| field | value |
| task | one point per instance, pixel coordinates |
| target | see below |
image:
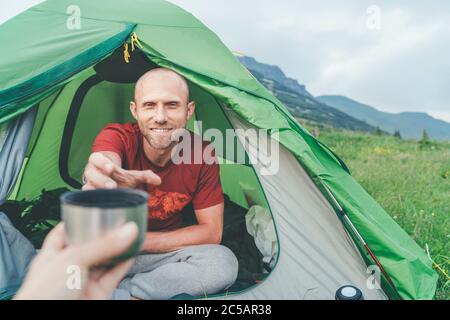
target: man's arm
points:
(207, 231)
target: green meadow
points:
(411, 181)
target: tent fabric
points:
(3, 134)
(260, 225)
(44, 155)
(314, 246)
(16, 253)
(173, 38)
(13, 152)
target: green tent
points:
(64, 61)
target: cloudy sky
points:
(391, 54)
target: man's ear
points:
(190, 109)
(133, 109)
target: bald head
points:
(161, 78)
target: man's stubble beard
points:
(160, 146)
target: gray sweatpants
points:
(197, 270)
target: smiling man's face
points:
(161, 106)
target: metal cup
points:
(90, 214)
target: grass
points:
(411, 181)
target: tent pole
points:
(358, 235)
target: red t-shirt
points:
(180, 183)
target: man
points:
(179, 260)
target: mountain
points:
(274, 73)
(298, 100)
(410, 124)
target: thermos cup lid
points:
(105, 198)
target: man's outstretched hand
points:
(104, 171)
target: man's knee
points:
(222, 264)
